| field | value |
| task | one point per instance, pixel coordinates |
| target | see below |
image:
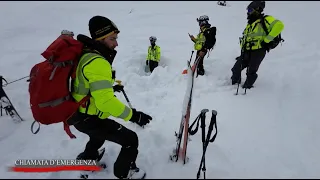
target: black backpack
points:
(275, 42)
(210, 35)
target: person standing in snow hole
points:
(260, 35)
(204, 42)
(95, 77)
(154, 54)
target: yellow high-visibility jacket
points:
(94, 76)
(254, 33)
(154, 54)
(200, 39)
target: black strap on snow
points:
(38, 129)
(205, 140)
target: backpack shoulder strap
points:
(263, 23)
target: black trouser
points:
(251, 60)
(152, 65)
(200, 65)
(100, 130)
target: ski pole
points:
(191, 55)
(124, 93)
(189, 62)
(213, 122)
(203, 126)
(14, 81)
(241, 62)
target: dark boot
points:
(92, 156)
(238, 66)
(236, 75)
(200, 71)
(251, 79)
(235, 80)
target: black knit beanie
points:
(101, 27)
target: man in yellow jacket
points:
(258, 38)
(204, 42)
(154, 54)
(95, 77)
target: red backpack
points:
(50, 97)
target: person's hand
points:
(192, 37)
(118, 88)
(140, 118)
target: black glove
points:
(118, 88)
(265, 46)
(140, 118)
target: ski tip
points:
(144, 176)
(214, 112)
(204, 110)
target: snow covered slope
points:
(272, 132)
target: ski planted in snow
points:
(182, 136)
(6, 105)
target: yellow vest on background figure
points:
(200, 39)
(154, 53)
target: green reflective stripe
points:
(256, 34)
(272, 24)
(82, 89)
(125, 113)
(104, 84)
(259, 32)
(270, 38)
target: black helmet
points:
(257, 6)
